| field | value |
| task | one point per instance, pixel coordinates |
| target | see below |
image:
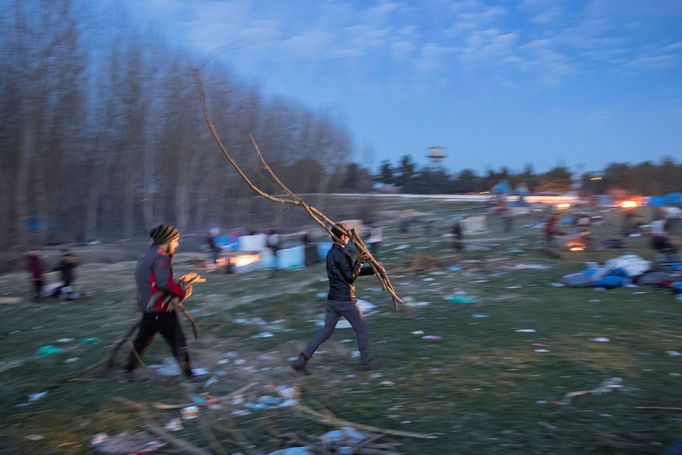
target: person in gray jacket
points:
(342, 271)
(154, 277)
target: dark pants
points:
(38, 288)
(168, 325)
(334, 312)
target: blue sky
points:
(498, 83)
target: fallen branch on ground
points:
(152, 426)
(334, 421)
(168, 407)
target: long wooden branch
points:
(293, 199)
(332, 420)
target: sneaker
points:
(300, 365)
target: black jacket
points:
(342, 271)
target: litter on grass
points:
(601, 340)
(462, 299)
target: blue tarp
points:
(502, 187)
(667, 200)
(323, 248)
(291, 258)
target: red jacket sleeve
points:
(163, 273)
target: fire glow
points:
(244, 259)
(629, 204)
(575, 246)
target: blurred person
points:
(550, 230)
(272, 241)
(34, 266)
(154, 279)
(376, 236)
(457, 234)
(66, 266)
(342, 271)
(213, 246)
(660, 240)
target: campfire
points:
(236, 262)
(574, 245)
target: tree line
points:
(646, 178)
(102, 136)
(102, 133)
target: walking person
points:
(376, 236)
(272, 241)
(34, 266)
(342, 271)
(67, 263)
(154, 278)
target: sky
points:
(496, 83)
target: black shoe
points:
(300, 365)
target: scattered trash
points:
(189, 412)
(270, 400)
(454, 268)
(264, 335)
(48, 350)
(124, 443)
(525, 330)
(36, 396)
(256, 406)
(463, 299)
(321, 295)
(174, 425)
(516, 286)
(9, 300)
(417, 332)
(64, 340)
(71, 359)
(606, 386)
(556, 285)
(387, 383)
(169, 368)
(673, 353)
(199, 371)
(530, 267)
(34, 437)
(432, 337)
(595, 300)
(479, 316)
(541, 350)
(600, 340)
(541, 402)
(91, 340)
(292, 451)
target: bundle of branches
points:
(293, 199)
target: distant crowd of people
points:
(66, 266)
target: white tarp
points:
(254, 242)
(474, 225)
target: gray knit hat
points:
(164, 233)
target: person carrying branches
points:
(342, 271)
(155, 284)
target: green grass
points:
(482, 388)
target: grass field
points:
(482, 388)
